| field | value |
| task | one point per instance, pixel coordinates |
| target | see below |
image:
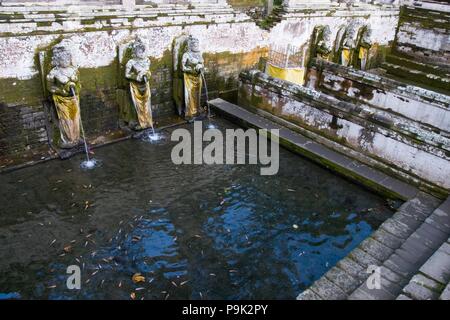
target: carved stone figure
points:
(323, 45)
(364, 44)
(192, 65)
(137, 72)
(64, 85)
(348, 45)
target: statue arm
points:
(184, 64)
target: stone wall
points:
(408, 149)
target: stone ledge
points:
(319, 153)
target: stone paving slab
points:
(376, 249)
(387, 238)
(352, 268)
(441, 219)
(315, 150)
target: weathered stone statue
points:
(64, 85)
(137, 71)
(348, 46)
(192, 67)
(323, 43)
(364, 44)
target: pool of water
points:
(193, 231)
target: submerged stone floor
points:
(411, 249)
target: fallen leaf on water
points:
(183, 283)
(133, 295)
(137, 277)
(67, 249)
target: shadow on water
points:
(193, 231)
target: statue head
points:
(139, 48)
(193, 44)
(62, 56)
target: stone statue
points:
(348, 45)
(64, 85)
(192, 65)
(364, 45)
(323, 44)
(137, 72)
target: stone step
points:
(430, 281)
(318, 152)
(445, 295)
(351, 273)
(415, 65)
